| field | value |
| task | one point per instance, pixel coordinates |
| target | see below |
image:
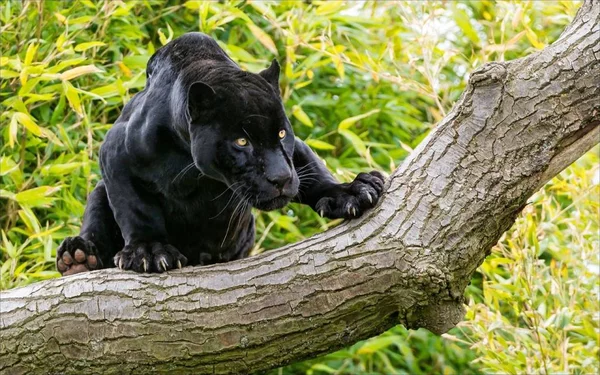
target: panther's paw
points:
(75, 255)
(149, 257)
(351, 200)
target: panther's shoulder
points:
(189, 49)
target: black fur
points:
(177, 189)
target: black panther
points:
(189, 156)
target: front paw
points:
(149, 257)
(75, 255)
(351, 200)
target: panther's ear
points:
(271, 74)
(200, 98)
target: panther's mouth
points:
(272, 204)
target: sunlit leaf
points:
(262, 37)
(299, 114)
(319, 145)
(87, 45)
(26, 120)
(79, 71)
(347, 123)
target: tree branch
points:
(407, 261)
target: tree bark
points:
(407, 261)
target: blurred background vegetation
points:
(363, 83)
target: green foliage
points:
(539, 309)
(362, 83)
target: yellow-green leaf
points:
(7, 165)
(299, 114)
(376, 344)
(319, 145)
(263, 38)
(60, 169)
(328, 7)
(26, 120)
(464, 22)
(29, 55)
(79, 71)
(357, 143)
(164, 39)
(345, 124)
(12, 131)
(72, 97)
(36, 197)
(300, 85)
(106, 91)
(87, 45)
(60, 17)
(533, 39)
(4, 74)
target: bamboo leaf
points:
(357, 143)
(319, 145)
(79, 71)
(347, 123)
(87, 45)
(72, 97)
(263, 38)
(299, 114)
(26, 120)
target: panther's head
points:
(239, 134)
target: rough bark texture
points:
(406, 262)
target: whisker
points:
(229, 201)
(308, 174)
(305, 166)
(231, 218)
(242, 212)
(183, 171)
(225, 191)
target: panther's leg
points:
(98, 241)
(136, 205)
(329, 198)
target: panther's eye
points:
(281, 134)
(241, 142)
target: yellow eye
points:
(281, 134)
(241, 142)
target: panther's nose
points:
(280, 179)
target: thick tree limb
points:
(406, 262)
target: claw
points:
(349, 210)
(322, 213)
(178, 264)
(163, 264)
(121, 263)
(370, 198)
(145, 265)
(354, 211)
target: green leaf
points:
(357, 143)
(263, 37)
(26, 120)
(29, 55)
(463, 21)
(299, 114)
(60, 169)
(37, 197)
(87, 45)
(319, 145)
(376, 344)
(72, 97)
(347, 123)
